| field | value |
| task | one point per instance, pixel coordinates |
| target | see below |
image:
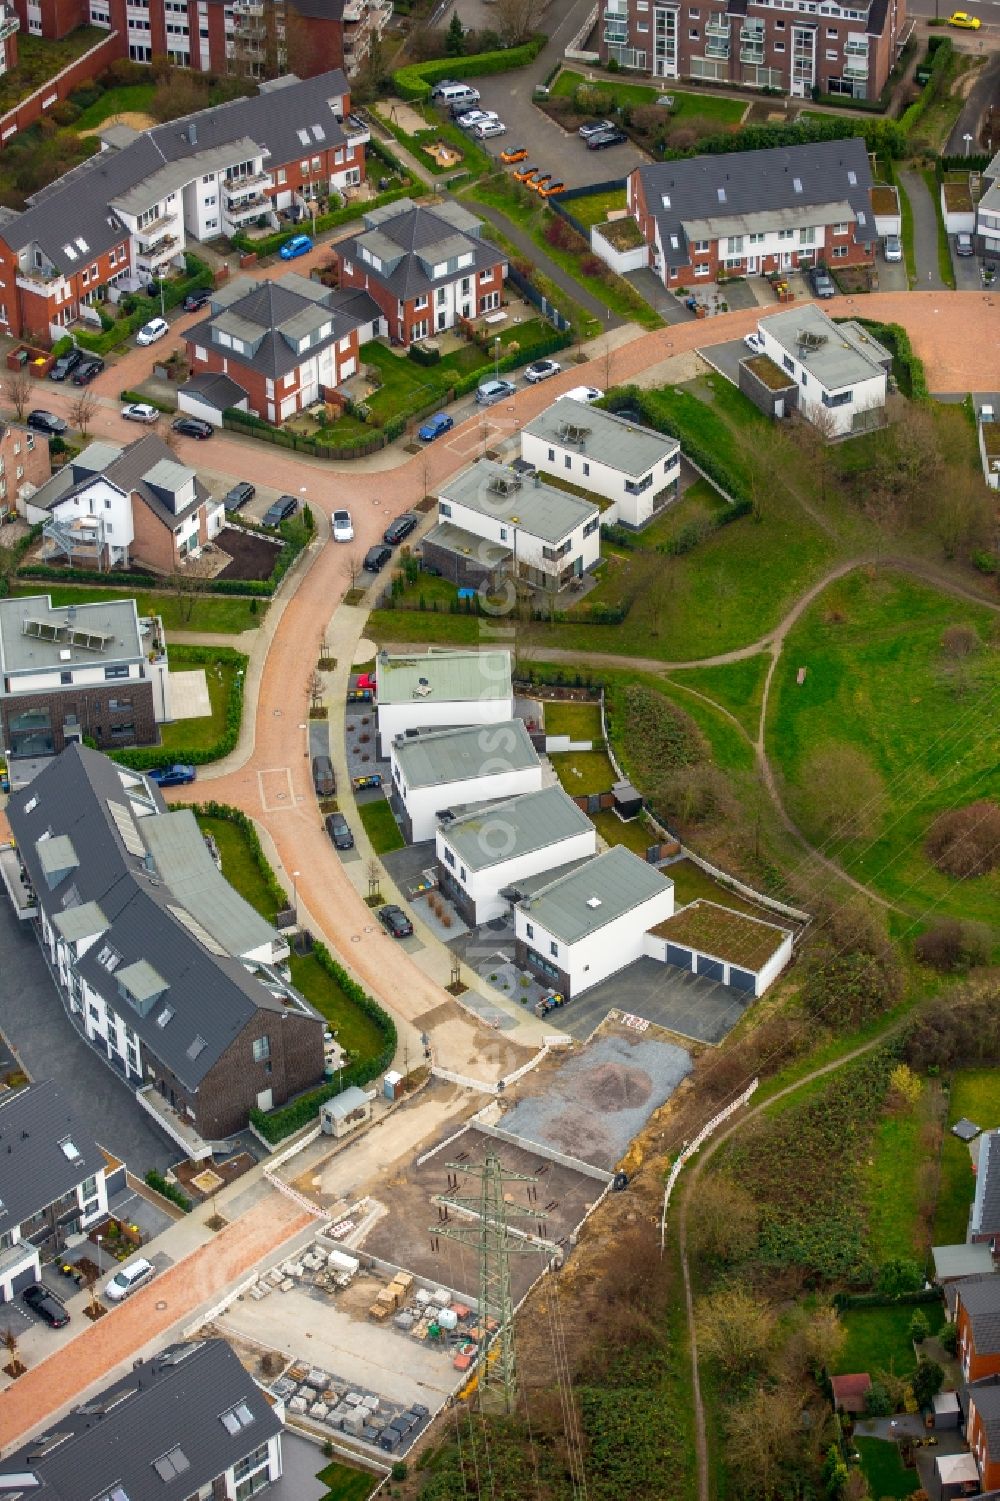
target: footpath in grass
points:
(737, 686)
(224, 614)
(975, 1094)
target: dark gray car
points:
(339, 831)
(323, 776)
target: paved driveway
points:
(690, 1005)
(925, 231)
(34, 1022)
(892, 274)
(968, 276)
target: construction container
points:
(341, 1262)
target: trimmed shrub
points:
(168, 1190)
(421, 356)
(145, 757)
(416, 81)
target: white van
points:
(458, 97)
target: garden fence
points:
(537, 299)
(558, 201)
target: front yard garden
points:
(201, 734)
(686, 106)
(380, 826)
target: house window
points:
(31, 442)
(804, 379)
(449, 857)
(567, 461)
(115, 672)
(702, 247)
(552, 454)
(444, 508)
(839, 229)
(591, 526)
(503, 534)
(703, 270)
(117, 705)
(838, 253)
(788, 363)
(419, 303)
(529, 930)
(554, 950)
(840, 399)
(65, 677)
(586, 468)
(261, 1049)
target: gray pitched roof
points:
(211, 997)
(131, 470)
(980, 1297)
(272, 316)
(745, 191)
(408, 238)
(83, 197)
(171, 1405)
(593, 433)
(577, 905)
(217, 391)
(501, 493)
(986, 1205)
(44, 1150)
(436, 758)
(986, 1396)
(503, 831)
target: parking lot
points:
(552, 148)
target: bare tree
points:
(356, 564)
(515, 20)
(165, 432)
(10, 1344)
(315, 690)
(374, 872)
(17, 390)
(189, 585)
(812, 439)
(735, 1330)
(763, 1431)
(82, 411)
(723, 1221)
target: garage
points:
(19, 1282)
(742, 979)
(680, 957)
(713, 969)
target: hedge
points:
(197, 275)
(416, 81)
(270, 244)
(940, 58)
(145, 757)
(842, 1301)
(168, 1190)
(884, 137)
(150, 401)
(280, 1123)
(906, 367)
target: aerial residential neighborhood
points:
(499, 752)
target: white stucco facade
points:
(482, 887)
(835, 408)
(572, 555)
(423, 804)
(622, 462)
(592, 959)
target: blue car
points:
(296, 246)
(172, 776)
(435, 426)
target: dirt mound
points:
(614, 1086)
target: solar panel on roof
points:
(125, 824)
(197, 1047)
(195, 928)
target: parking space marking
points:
(277, 795)
(464, 446)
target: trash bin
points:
(22, 357)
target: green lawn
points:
(893, 1182)
(878, 1339)
(686, 105)
(581, 721)
(737, 686)
(39, 59)
(583, 772)
(136, 97)
(380, 826)
(421, 625)
(238, 865)
(633, 835)
(700, 502)
(876, 680)
(886, 1474)
(223, 613)
(975, 1093)
(595, 207)
(199, 734)
(407, 386)
(345, 1483)
(692, 883)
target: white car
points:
(753, 342)
(343, 527)
(129, 1279)
(541, 370)
(476, 117)
(587, 394)
(153, 330)
(139, 411)
(892, 249)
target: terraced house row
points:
(129, 213)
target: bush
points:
(168, 1190)
(965, 842)
(416, 81)
(899, 1275)
(950, 945)
(906, 367)
(949, 1338)
(421, 356)
(634, 399)
(878, 1403)
(142, 759)
(928, 1380)
(854, 972)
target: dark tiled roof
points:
(35, 1170)
(217, 390)
(986, 1397)
(986, 1206)
(412, 230)
(272, 307)
(175, 1401)
(980, 1297)
(758, 183)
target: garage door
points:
(677, 955)
(742, 979)
(711, 967)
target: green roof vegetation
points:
(722, 934)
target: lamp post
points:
(99, 1267)
(295, 902)
(968, 139)
(496, 357)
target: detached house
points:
(984, 1221)
(166, 971)
(441, 690)
(187, 1423)
(443, 770)
(751, 212)
(977, 1320)
(51, 1182)
(281, 342)
(425, 267)
(112, 506)
(835, 374)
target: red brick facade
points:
(415, 318)
(24, 460)
(264, 393)
(977, 1439)
(975, 1365)
(27, 307)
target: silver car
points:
(892, 248)
(492, 391)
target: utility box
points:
(392, 1085)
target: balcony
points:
(161, 250)
(856, 67)
(235, 187)
(751, 52)
(718, 27)
(716, 47)
(251, 208)
(9, 23)
(149, 234)
(248, 8)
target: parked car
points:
(129, 1279)
(547, 190)
(343, 527)
(443, 84)
(435, 426)
(239, 495)
(512, 154)
(50, 1309)
(400, 528)
(821, 282)
(492, 391)
(279, 510)
(595, 128)
(155, 329)
(606, 138)
(368, 680)
(487, 129)
(139, 411)
(523, 173)
(475, 117)
(964, 245)
(538, 183)
(339, 831)
(754, 343)
(66, 364)
(892, 249)
(964, 21)
(324, 780)
(193, 427)
(87, 370)
(47, 422)
(194, 300)
(541, 370)
(395, 921)
(177, 775)
(376, 557)
(589, 394)
(296, 246)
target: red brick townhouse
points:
(982, 1431)
(751, 212)
(425, 267)
(281, 341)
(835, 46)
(261, 38)
(9, 24)
(128, 213)
(977, 1320)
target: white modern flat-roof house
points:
(483, 854)
(441, 690)
(445, 769)
(840, 370)
(634, 467)
(495, 519)
(592, 921)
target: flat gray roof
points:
(626, 446)
(498, 832)
(451, 677)
(63, 628)
(576, 905)
(439, 757)
(962, 1260)
(497, 491)
(840, 360)
(183, 862)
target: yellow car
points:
(964, 20)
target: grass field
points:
(407, 386)
(380, 826)
(878, 1339)
(222, 613)
(686, 106)
(877, 680)
(583, 772)
(886, 1474)
(581, 721)
(129, 97)
(345, 1483)
(595, 207)
(975, 1093)
(238, 865)
(737, 686)
(423, 625)
(692, 883)
(199, 734)
(893, 1180)
(700, 502)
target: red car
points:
(366, 680)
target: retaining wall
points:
(82, 70)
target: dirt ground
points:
(251, 557)
(136, 118)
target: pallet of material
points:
(404, 1281)
(379, 1311)
(462, 1362)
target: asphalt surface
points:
(690, 1005)
(35, 1025)
(985, 91)
(925, 232)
